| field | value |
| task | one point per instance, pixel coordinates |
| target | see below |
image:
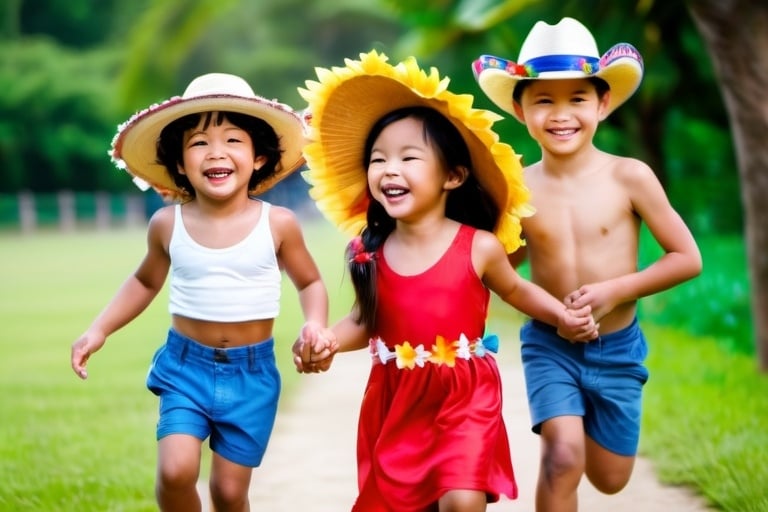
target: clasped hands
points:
(313, 351)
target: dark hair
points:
(601, 87)
(469, 203)
(170, 144)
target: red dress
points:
(433, 427)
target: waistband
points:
(625, 333)
(185, 347)
(442, 352)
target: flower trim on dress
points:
(443, 352)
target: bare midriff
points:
(224, 334)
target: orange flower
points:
(444, 352)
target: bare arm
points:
(300, 267)
(133, 297)
(500, 277)
(681, 260)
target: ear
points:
(456, 178)
(180, 168)
(259, 162)
(602, 108)
(518, 110)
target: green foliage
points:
(706, 419)
(715, 304)
(57, 118)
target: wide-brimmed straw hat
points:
(344, 104)
(565, 50)
(134, 147)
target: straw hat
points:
(134, 147)
(345, 102)
(565, 50)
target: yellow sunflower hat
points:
(344, 104)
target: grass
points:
(706, 419)
(71, 445)
(89, 446)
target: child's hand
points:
(600, 297)
(314, 350)
(82, 349)
(577, 325)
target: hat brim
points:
(345, 108)
(623, 76)
(135, 145)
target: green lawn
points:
(69, 445)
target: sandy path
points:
(310, 463)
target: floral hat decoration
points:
(344, 104)
(134, 147)
(565, 50)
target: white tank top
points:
(233, 284)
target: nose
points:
(392, 168)
(560, 112)
(215, 150)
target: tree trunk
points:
(736, 34)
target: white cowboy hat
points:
(134, 147)
(565, 50)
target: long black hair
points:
(170, 144)
(468, 204)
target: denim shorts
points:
(601, 381)
(228, 394)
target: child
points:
(216, 374)
(422, 174)
(583, 246)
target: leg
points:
(463, 500)
(607, 471)
(562, 464)
(178, 468)
(229, 485)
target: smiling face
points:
(562, 115)
(218, 157)
(406, 173)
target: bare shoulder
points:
(283, 221)
(161, 225)
(162, 220)
(631, 171)
(485, 245)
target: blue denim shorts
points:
(228, 394)
(601, 381)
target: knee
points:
(228, 495)
(562, 459)
(608, 483)
(172, 477)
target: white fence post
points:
(103, 211)
(134, 210)
(67, 215)
(27, 213)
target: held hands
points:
(600, 297)
(313, 351)
(577, 325)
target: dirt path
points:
(310, 463)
